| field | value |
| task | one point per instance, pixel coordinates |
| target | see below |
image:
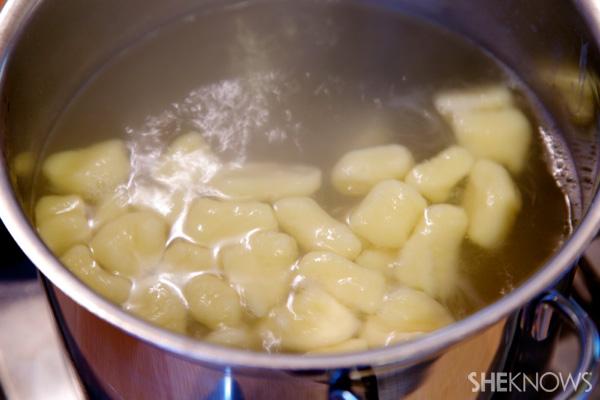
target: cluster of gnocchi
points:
(259, 264)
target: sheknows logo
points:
(549, 382)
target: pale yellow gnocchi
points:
(388, 214)
(241, 337)
(79, 260)
(435, 178)
(429, 259)
(359, 170)
(187, 159)
(493, 97)
(92, 172)
(375, 333)
(356, 287)
(503, 136)
(378, 260)
(486, 122)
(210, 222)
(159, 303)
(266, 181)
(408, 310)
(261, 269)
(212, 301)
(109, 208)
(314, 229)
(492, 201)
(62, 222)
(182, 255)
(131, 243)
(312, 319)
(266, 256)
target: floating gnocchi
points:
(312, 319)
(435, 178)
(267, 256)
(388, 214)
(266, 181)
(503, 136)
(492, 202)
(79, 260)
(182, 255)
(429, 259)
(377, 260)
(405, 314)
(314, 229)
(261, 269)
(131, 243)
(187, 159)
(109, 208)
(160, 304)
(240, 337)
(62, 222)
(92, 172)
(212, 301)
(356, 287)
(452, 102)
(486, 123)
(210, 222)
(359, 170)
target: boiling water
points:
(300, 83)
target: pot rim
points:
(11, 18)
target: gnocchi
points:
(377, 260)
(312, 319)
(435, 178)
(187, 159)
(131, 243)
(266, 181)
(388, 214)
(358, 171)
(486, 122)
(375, 333)
(356, 287)
(408, 310)
(241, 337)
(92, 172)
(212, 301)
(261, 269)
(492, 202)
(266, 256)
(210, 222)
(452, 102)
(110, 208)
(429, 260)
(314, 229)
(62, 222)
(502, 135)
(182, 255)
(80, 262)
(160, 304)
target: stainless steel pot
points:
(50, 47)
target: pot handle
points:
(589, 340)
